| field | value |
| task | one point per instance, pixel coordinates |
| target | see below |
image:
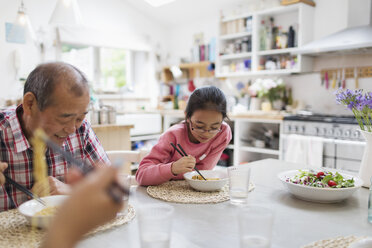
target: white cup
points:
(255, 226)
(239, 184)
(155, 223)
(124, 180)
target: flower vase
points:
(365, 171)
(266, 106)
(255, 104)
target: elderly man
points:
(56, 99)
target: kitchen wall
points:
(114, 15)
(330, 16)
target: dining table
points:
(296, 222)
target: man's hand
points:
(56, 187)
(88, 206)
(3, 167)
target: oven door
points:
(337, 154)
(343, 154)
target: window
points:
(106, 68)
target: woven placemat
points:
(15, 232)
(181, 192)
(337, 242)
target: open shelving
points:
(234, 60)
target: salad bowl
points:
(296, 182)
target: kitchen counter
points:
(113, 136)
(271, 115)
(296, 222)
(274, 115)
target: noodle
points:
(198, 177)
(40, 168)
(47, 211)
(40, 171)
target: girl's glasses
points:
(202, 130)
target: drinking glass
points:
(239, 184)
(155, 222)
(124, 180)
(255, 226)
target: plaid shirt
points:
(17, 152)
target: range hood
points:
(350, 39)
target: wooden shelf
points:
(234, 36)
(235, 56)
(189, 71)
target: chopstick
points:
(184, 154)
(85, 168)
(23, 189)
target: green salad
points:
(321, 179)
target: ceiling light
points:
(158, 3)
(66, 12)
(24, 21)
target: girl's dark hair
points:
(206, 98)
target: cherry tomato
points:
(320, 173)
(331, 183)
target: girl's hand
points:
(183, 165)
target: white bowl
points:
(31, 207)
(202, 185)
(322, 195)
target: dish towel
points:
(304, 150)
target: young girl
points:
(203, 135)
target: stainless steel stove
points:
(343, 145)
(327, 126)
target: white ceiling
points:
(183, 11)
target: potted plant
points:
(269, 90)
(361, 105)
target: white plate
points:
(202, 185)
(322, 195)
(31, 207)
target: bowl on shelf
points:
(213, 184)
(31, 210)
(315, 194)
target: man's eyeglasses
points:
(202, 130)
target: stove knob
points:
(347, 133)
(330, 132)
(320, 131)
(356, 134)
(303, 129)
(296, 129)
(337, 133)
(289, 128)
(316, 130)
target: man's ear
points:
(29, 103)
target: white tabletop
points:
(296, 222)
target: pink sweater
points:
(155, 168)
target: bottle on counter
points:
(290, 99)
(263, 36)
(248, 24)
(291, 37)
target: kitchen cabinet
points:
(257, 137)
(189, 71)
(113, 136)
(245, 48)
